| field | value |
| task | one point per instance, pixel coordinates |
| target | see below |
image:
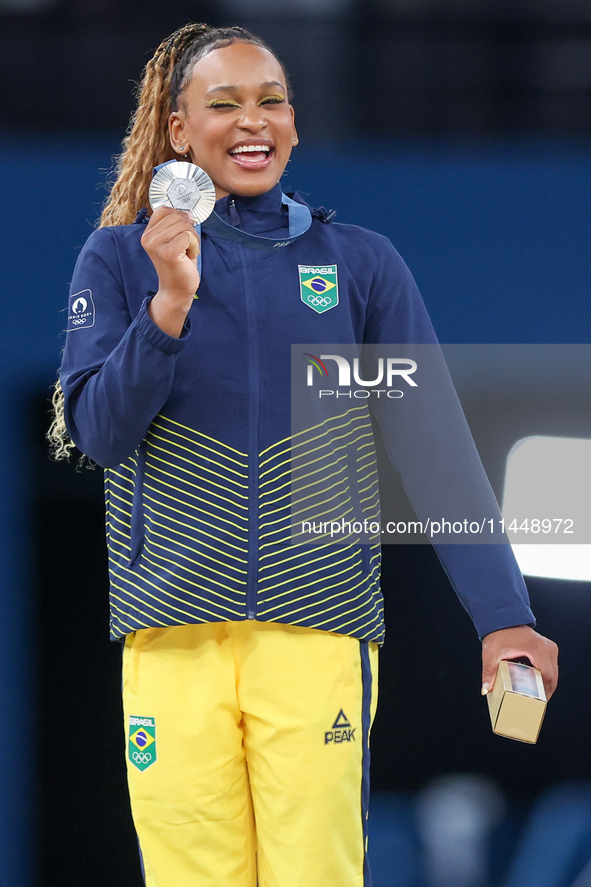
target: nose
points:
(253, 118)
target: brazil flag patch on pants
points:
(319, 287)
(142, 742)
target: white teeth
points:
(241, 149)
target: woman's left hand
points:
(511, 643)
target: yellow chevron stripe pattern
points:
(177, 530)
(325, 473)
(177, 515)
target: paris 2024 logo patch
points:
(81, 313)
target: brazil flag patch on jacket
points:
(319, 288)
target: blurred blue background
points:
(462, 130)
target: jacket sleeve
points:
(117, 372)
(428, 439)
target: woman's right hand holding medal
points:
(173, 246)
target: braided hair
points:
(147, 144)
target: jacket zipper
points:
(137, 528)
(234, 217)
(253, 436)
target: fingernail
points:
(485, 688)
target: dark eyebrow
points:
(221, 89)
(234, 88)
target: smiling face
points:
(235, 121)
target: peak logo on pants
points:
(341, 731)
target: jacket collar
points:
(263, 214)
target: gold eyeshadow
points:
(222, 103)
(272, 99)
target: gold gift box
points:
(517, 702)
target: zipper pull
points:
(235, 218)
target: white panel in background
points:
(555, 561)
(549, 478)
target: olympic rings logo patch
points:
(321, 301)
(142, 757)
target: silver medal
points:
(184, 186)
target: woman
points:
(249, 664)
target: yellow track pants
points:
(248, 754)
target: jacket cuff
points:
(150, 331)
(507, 617)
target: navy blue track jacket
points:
(194, 432)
